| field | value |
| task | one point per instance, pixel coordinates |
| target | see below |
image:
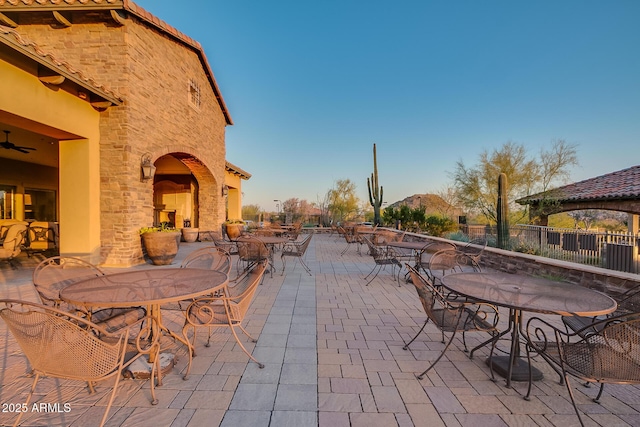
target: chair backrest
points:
(56, 273)
(241, 293)
(252, 249)
(351, 235)
(435, 246)
(208, 258)
(60, 344)
(450, 261)
(14, 238)
(296, 248)
(629, 302)
(383, 237)
(474, 248)
(429, 296)
(226, 245)
(374, 251)
(42, 235)
(618, 350)
(302, 246)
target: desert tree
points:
(342, 200)
(475, 186)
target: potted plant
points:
(189, 234)
(233, 228)
(160, 243)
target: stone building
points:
(127, 120)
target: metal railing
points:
(612, 250)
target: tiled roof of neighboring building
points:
(55, 2)
(12, 38)
(134, 9)
(620, 185)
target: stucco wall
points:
(151, 72)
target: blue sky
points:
(311, 85)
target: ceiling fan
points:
(11, 146)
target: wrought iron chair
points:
(339, 231)
(451, 316)
(61, 345)
(422, 260)
(296, 249)
(56, 273)
(294, 232)
(251, 251)
(611, 355)
(475, 248)
(266, 232)
(12, 244)
(628, 302)
(41, 237)
(227, 245)
(208, 258)
(226, 310)
(351, 237)
(382, 256)
(383, 237)
(449, 261)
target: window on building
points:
(194, 93)
(7, 201)
(40, 205)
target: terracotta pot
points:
(234, 230)
(161, 247)
(189, 234)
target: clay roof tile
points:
(11, 37)
(622, 184)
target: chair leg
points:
(597, 398)
(113, 395)
(155, 372)
(244, 331)
(573, 401)
(191, 350)
(306, 267)
(233, 330)
(421, 376)
(377, 269)
(371, 272)
(406, 345)
(345, 249)
(26, 404)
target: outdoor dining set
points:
(90, 325)
(598, 342)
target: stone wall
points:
(151, 72)
(601, 279)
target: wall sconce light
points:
(147, 168)
(225, 190)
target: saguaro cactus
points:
(375, 192)
(502, 211)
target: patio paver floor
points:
(332, 349)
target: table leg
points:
(151, 334)
(175, 336)
(513, 367)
